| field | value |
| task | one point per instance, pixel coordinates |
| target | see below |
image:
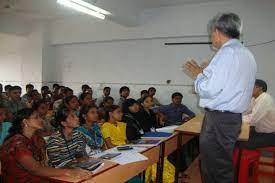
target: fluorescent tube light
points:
(81, 8)
(91, 6)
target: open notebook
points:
(90, 164)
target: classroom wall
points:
(105, 53)
(144, 64)
(11, 58)
(21, 58)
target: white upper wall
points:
(21, 58)
(166, 22)
(11, 58)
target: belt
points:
(221, 111)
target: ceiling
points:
(124, 12)
(161, 3)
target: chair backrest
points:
(266, 149)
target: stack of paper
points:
(167, 129)
(128, 156)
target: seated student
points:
(46, 93)
(4, 125)
(90, 128)
(152, 92)
(176, 112)
(143, 94)
(1, 89)
(72, 104)
(84, 88)
(34, 96)
(131, 117)
(106, 93)
(15, 104)
(2, 94)
(107, 102)
(66, 145)
(261, 118)
(41, 107)
(21, 160)
(114, 131)
(63, 92)
(124, 94)
(136, 120)
(55, 94)
(57, 99)
(26, 97)
(148, 120)
(86, 99)
(6, 93)
(87, 89)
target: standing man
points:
(225, 89)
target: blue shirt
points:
(174, 113)
(5, 126)
(93, 136)
(227, 83)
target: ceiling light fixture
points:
(85, 7)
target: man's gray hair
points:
(229, 24)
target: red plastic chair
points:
(257, 172)
(247, 159)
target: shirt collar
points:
(230, 41)
(175, 105)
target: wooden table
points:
(122, 173)
(115, 173)
(193, 127)
(168, 146)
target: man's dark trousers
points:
(220, 131)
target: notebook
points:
(143, 142)
(90, 165)
(157, 135)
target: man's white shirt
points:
(261, 114)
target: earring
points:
(25, 123)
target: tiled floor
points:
(193, 173)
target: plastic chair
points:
(257, 171)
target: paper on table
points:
(128, 156)
(114, 150)
(167, 129)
